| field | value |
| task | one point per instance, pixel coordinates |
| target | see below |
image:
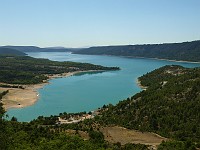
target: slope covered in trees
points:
(27, 136)
(170, 105)
(187, 51)
(28, 70)
(9, 51)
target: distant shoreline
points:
(195, 62)
(20, 98)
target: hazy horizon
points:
(79, 24)
(55, 47)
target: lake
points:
(89, 91)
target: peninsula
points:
(22, 76)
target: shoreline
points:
(181, 61)
(20, 98)
(138, 82)
(154, 58)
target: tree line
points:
(28, 70)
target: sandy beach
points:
(140, 85)
(19, 98)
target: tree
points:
(14, 119)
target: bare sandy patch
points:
(119, 134)
(19, 98)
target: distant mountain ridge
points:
(9, 51)
(38, 49)
(186, 51)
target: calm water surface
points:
(89, 91)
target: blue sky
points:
(80, 23)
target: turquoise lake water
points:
(89, 91)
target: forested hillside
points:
(187, 51)
(170, 105)
(26, 136)
(28, 70)
(9, 51)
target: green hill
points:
(186, 51)
(9, 51)
(28, 70)
(170, 105)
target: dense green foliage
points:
(2, 111)
(21, 136)
(189, 51)
(177, 145)
(28, 70)
(11, 86)
(9, 51)
(170, 106)
(3, 93)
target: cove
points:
(89, 91)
